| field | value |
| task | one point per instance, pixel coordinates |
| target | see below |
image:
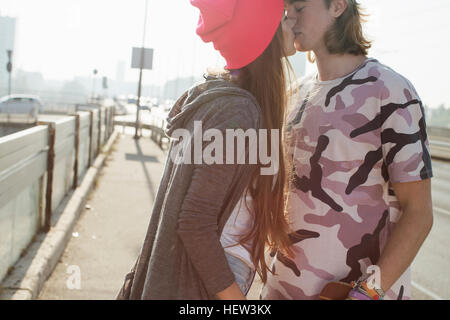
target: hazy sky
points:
(67, 38)
(63, 38)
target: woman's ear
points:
(338, 7)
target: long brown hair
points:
(346, 35)
(266, 78)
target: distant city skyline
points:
(68, 39)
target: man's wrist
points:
(362, 291)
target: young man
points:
(360, 199)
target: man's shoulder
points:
(391, 79)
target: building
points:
(7, 40)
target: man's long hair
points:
(346, 35)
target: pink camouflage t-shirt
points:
(350, 138)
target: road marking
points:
(432, 295)
(442, 211)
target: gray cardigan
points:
(182, 257)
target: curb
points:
(33, 269)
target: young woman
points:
(211, 222)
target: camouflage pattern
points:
(349, 138)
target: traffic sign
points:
(142, 58)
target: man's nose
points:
(291, 14)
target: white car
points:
(20, 105)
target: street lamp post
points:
(138, 103)
(95, 72)
(9, 69)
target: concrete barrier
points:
(39, 169)
(23, 165)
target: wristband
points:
(372, 292)
(355, 294)
(362, 287)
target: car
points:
(21, 105)
(132, 99)
(145, 107)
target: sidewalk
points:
(108, 236)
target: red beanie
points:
(239, 29)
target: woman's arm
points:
(198, 227)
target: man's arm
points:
(409, 232)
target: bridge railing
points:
(155, 121)
(39, 168)
(439, 142)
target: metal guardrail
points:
(440, 149)
(439, 133)
(439, 142)
(156, 123)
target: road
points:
(431, 268)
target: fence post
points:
(106, 122)
(50, 167)
(77, 144)
(113, 119)
(99, 136)
(91, 130)
(109, 122)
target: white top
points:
(238, 224)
